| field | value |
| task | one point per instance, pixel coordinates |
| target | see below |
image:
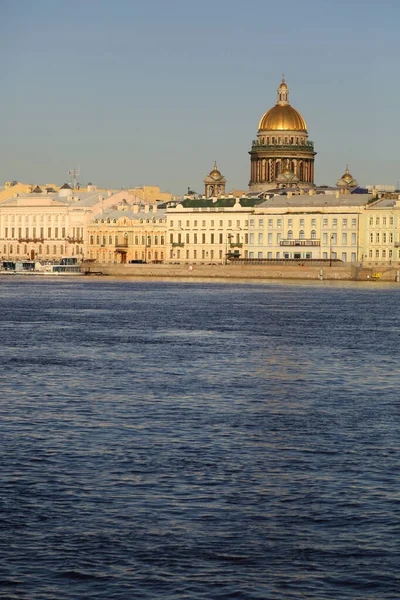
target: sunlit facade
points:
(128, 233)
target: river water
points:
(199, 440)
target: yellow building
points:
(381, 233)
(308, 226)
(206, 230)
(46, 225)
(299, 227)
(150, 194)
(127, 233)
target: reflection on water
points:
(199, 440)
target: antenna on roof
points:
(74, 173)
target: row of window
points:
(384, 254)
(151, 220)
(273, 223)
(204, 238)
(34, 219)
(111, 256)
(282, 140)
(47, 250)
(326, 238)
(210, 224)
(35, 232)
(385, 238)
(137, 240)
(377, 221)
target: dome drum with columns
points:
(282, 155)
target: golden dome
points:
(347, 176)
(215, 173)
(283, 118)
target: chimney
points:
(154, 208)
(136, 208)
(146, 208)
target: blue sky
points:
(153, 92)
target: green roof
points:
(220, 203)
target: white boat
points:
(67, 266)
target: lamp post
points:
(148, 245)
(228, 239)
(330, 249)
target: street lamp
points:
(330, 249)
(148, 245)
(228, 239)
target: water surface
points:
(194, 440)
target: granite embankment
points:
(307, 272)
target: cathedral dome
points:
(282, 116)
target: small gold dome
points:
(347, 176)
(215, 173)
(282, 118)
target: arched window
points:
(54, 249)
(301, 234)
(25, 249)
(62, 249)
(162, 240)
(98, 240)
(162, 256)
(47, 249)
(91, 239)
(76, 250)
(17, 249)
(40, 249)
(110, 239)
(136, 255)
(136, 241)
(116, 240)
(290, 234)
(104, 240)
(277, 169)
(156, 240)
(11, 249)
(313, 235)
